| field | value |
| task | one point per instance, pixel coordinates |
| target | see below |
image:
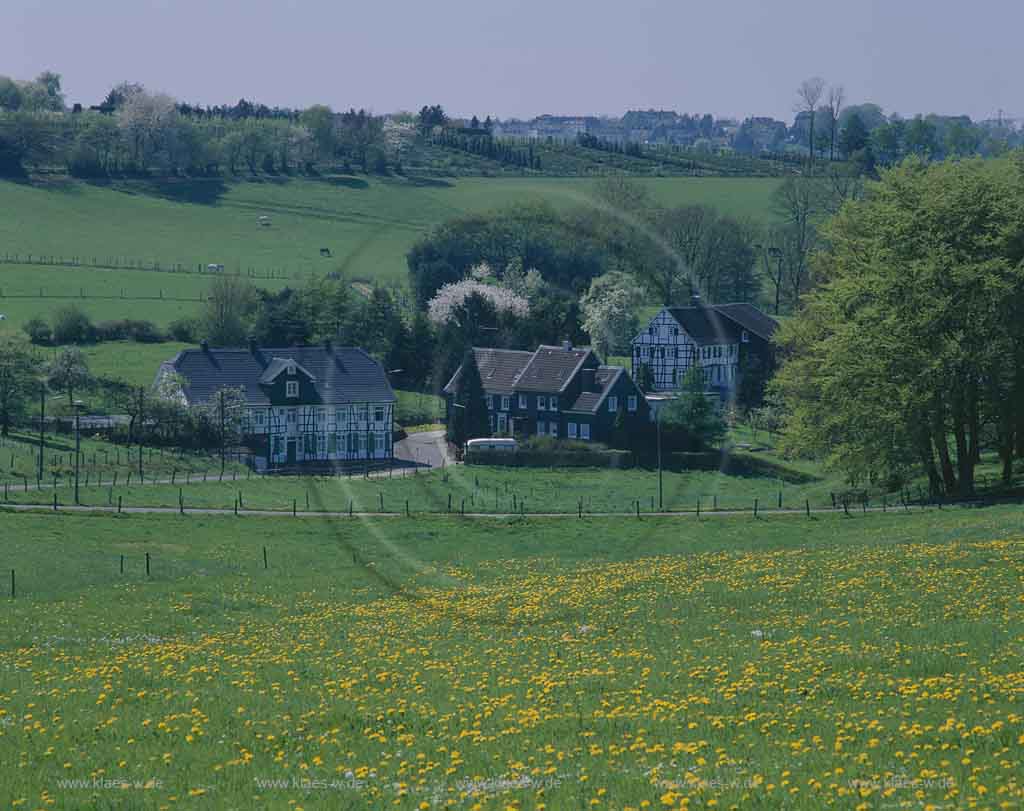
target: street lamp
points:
(78, 406)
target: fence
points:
(151, 265)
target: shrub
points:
(38, 331)
(127, 329)
(185, 330)
(71, 325)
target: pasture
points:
(864, 662)
(367, 224)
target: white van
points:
(495, 443)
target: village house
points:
(304, 406)
(558, 391)
(727, 341)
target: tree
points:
(645, 377)
(469, 417)
(68, 372)
(854, 136)
(836, 94)
(319, 120)
(610, 312)
(17, 380)
(921, 138)
(10, 95)
(808, 95)
(71, 325)
(229, 309)
(798, 204)
(691, 419)
(911, 351)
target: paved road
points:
(427, 448)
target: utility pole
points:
(141, 394)
(42, 427)
(222, 462)
(78, 445)
(661, 489)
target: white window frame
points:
(631, 403)
(745, 337)
(553, 429)
(613, 403)
(541, 403)
(571, 430)
(541, 427)
(292, 416)
(522, 402)
(553, 403)
(584, 430)
(506, 402)
(378, 410)
(291, 388)
(502, 423)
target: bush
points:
(545, 451)
(38, 331)
(185, 330)
(71, 325)
(127, 329)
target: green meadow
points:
(160, 662)
(368, 225)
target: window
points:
(278, 446)
(745, 337)
(364, 412)
(631, 402)
(572, 430)
(554, 428)
(506, 402)
(541, 428)
(522, 402)
(490, 401)
(502, 424)
(372, 439)
(675, 330)
(650, 330)
(584, 430)
(613, 403)
(378, 414)
(291, 416)
(643, 352)
(553, 403)
(340, 416)
(541, 402)
(309, 444)
(352, 443)
(321, 445)
(332, 443)
(291, 388)
(261, 417)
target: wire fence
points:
(151, 266)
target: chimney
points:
(204, 345)
(567, 346)
(253, 346)
(587, 378)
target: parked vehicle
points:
(494, 443)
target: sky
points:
(520, 58)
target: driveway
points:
(423, 449)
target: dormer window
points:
(291, 367)
(291, 388)
(745, 337)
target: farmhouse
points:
(306, 405)
(728, 341)
(559, 391)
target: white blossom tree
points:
(442, 307)
(610, 312)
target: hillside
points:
(367, 224)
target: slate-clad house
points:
(726, 340)
(559, 391)
(305, 405)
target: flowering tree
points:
(441, 309)
(609, 312)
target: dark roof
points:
(750, 318)
(551, 368)
(279, 365)
(605, 377)
(723, 323)
(705, 325)
(341, 374)
(499, 369)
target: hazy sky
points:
(527, 57)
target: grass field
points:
(869, 662)
(368, 224)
